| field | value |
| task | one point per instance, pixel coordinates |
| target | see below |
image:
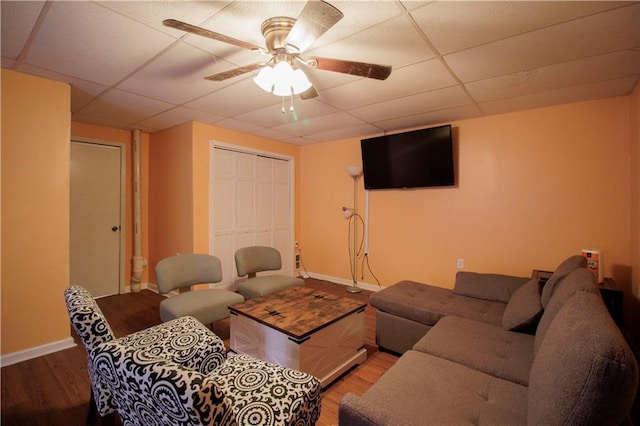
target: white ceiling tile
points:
(160, 71)
(176, 116)
(609, 31)
(271, 117)
(273, 134)
(238, 98)
(344, 132)
(82, 91)
(392, 42)
(319, 124)
(242, 126)
(180, 71)
(415, 104)
(420, 77)
(152, 13)
(453, 25)
(85, 40)
(603, 89)
(427, 119)
(603, 67)
(120, 106)
(357, 18)
(18, 17)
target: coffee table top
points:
(298, 311)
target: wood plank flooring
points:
(54, 389)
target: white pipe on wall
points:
(139, 262)
(366, 222)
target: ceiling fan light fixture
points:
(282, 79)
(265, 78)
(299, 82)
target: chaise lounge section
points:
(576, 369)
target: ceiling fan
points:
(285, 40)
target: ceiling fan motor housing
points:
(275, 31)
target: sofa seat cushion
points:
(427, 304)
(483, 347)
(424, 389)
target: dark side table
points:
(611, 294)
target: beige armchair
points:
(255, 259)
(181, 272)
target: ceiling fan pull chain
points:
(282, 105)
(291, 107)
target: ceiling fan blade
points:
(183, 26)
(362, 69)
(235, 72)
(310, 93)
(314, 20)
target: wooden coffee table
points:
(301, 328)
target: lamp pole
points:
(355, 172)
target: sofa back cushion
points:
(495, 287)
(580, 280)
(565, 268)
(584, 372)
(523, 309)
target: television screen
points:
(420, 158)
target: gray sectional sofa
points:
(478, 363)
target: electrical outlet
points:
(460, 263)
(297, 261)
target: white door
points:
(251, 205)
(95, 217)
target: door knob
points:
(114, 228)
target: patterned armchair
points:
(149, 390)
(177, 373)
(183, 340)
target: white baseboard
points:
(35, 352)
(342, 281)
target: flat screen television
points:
(416, 159)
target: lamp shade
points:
(354, 171)
(282, 79)
(264, 79)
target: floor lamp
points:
(354, 172)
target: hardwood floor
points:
(54, 389)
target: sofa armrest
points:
(356, 411)
(495, 287)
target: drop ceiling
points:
(451, 61)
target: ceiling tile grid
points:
(451, 60)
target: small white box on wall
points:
(594, 263)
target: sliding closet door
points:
(251, 197)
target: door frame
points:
(243, 149)
(123, 199)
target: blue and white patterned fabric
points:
(183, 340)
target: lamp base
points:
(353, 289)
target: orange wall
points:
(106, 134)
(634, 158)
(170, 194)
(179, 185)
(35, 210)
(533, 188)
